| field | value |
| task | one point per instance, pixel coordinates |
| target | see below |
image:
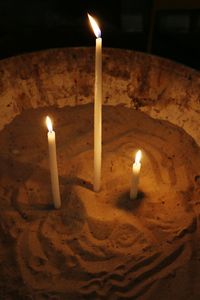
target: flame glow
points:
(49, 124)
(138, 156)
(94, 26)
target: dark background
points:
(168, 28)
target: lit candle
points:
(97, 106)
(135, 175)
(53, 163)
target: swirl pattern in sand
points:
(98, 245)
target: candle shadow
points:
(124, 202)
(76, 181)
(19, 173)
(197, 181)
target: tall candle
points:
(97, 106)
(53, 164)
(135, 175)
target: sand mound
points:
(98, 245)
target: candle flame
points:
(49, 124)
(138, 156)
(94, 26)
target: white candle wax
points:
(53, 164)
(98, 116)
(97, 106)
(135, 175)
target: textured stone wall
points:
(159, 87)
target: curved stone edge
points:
(162, 88)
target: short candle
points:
(53, 164)
(135, 175)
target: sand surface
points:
(99, 245)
